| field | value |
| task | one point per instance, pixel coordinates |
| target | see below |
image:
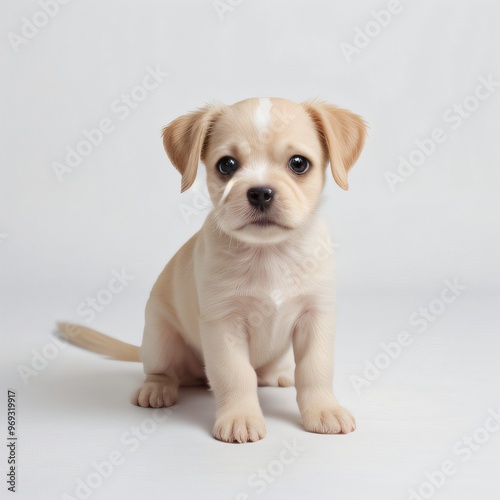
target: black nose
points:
(260, 197)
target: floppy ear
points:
(184, 140)
(344, 135)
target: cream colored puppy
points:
(235, 305)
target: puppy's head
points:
(265, 160)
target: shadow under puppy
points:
(234, 306)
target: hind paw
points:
(157, 391)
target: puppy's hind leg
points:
(163, 353)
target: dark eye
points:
(227, 165)
(299, 164)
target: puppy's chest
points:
(262, 287)
(274, 275)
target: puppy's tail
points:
(98, 342)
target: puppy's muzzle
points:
(260, 197)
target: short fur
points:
(235, 306)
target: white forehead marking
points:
(262, 115)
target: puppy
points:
(249, 299)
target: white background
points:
(121, 209)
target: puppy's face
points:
(265, 161)
(265, 169)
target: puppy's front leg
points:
(313, 340)
(234, 382)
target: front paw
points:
(238, 428)
(328, 420)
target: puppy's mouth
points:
(264, 222)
